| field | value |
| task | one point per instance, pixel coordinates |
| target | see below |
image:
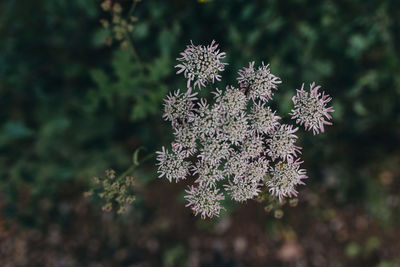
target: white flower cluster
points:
(236, 144)
(258, 82)
(201, 64)
(310, 109)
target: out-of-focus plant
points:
(127, 87)
(131, 83)
(117, 191)
(52, 139)
(237, 141)
(114, 189)
(273, 205)
(120, 24)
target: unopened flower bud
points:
(269, 208)
(293, 202)
(116, 19)
(119, 36)
(278, 214)
(117, 8)
(107, 207)
(108, 41)
(105, 23)
(130, 27)
(106, 5)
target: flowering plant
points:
(236, 144)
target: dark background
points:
(72, 107)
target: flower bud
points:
(105, 23)
(117, 8)
(278, 214)
(106, 5)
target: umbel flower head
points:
(116, 191)
(172, 164)
(264, 119)
(178, 106)
(282, 143)
(285, 177)
(204, 200)
(201, 64)
(242, 189)
(310, 109)
(234, 145)
(258, 83)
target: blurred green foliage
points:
(72, 107)
(117, 91)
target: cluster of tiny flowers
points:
(201, 64)
(281, 143)
(204, 200)
(310, 109)
(172, 164)
(119, 26)
(235, 145)
(258, 82)
(115, 191)
(285, 177)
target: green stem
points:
(133, 166)
(135, 54)
(128, 171)
(133, 7)
(147, 157)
